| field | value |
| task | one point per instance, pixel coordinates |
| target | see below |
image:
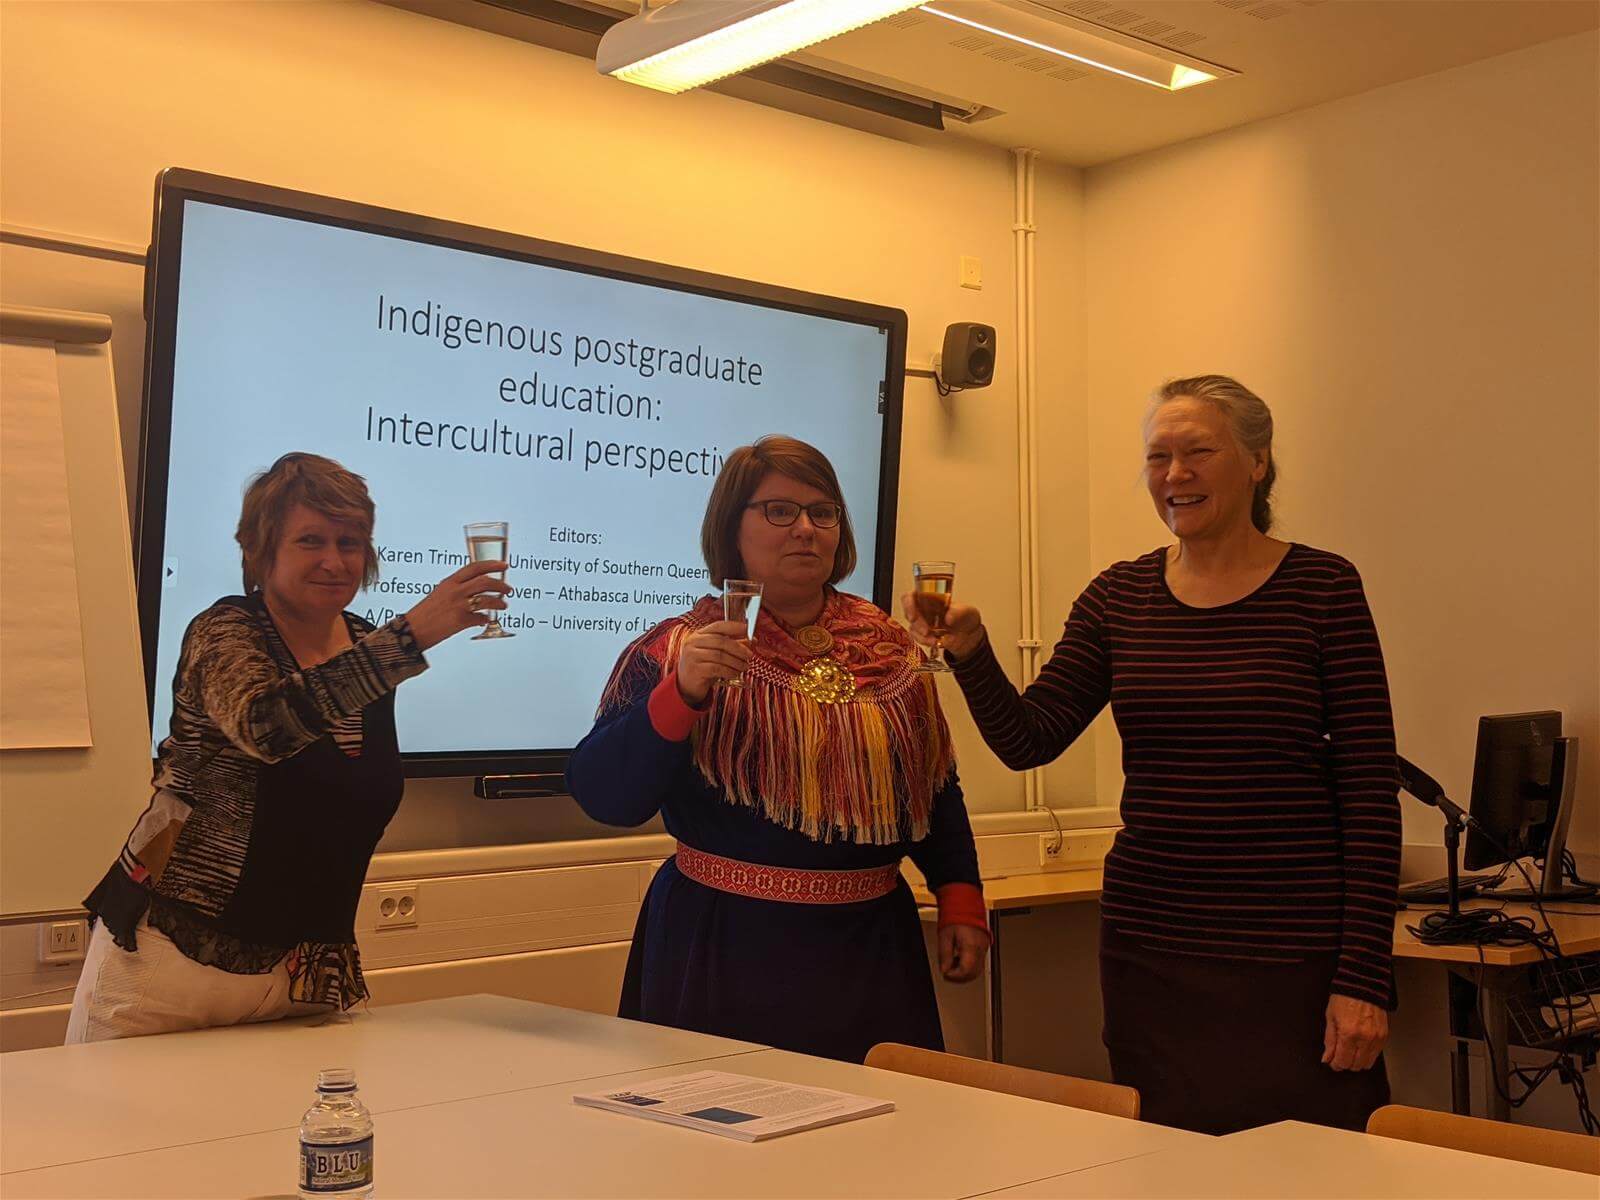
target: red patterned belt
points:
(786, 883)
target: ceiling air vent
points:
(1104, 12)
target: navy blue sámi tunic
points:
(849, 775)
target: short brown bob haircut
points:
(318, 483)
(741, 474)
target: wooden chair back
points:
(1109, 1098)
(1498, 1139)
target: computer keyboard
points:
(1439, 889)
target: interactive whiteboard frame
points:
(176, 186)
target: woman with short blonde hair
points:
(234, 896)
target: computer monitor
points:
(1523, 780)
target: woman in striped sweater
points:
(1250, 895)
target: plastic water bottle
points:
(336, 1140)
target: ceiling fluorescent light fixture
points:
(1050, 32)
(688, 43)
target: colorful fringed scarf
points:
(841, 741)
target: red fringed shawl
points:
(845, 744)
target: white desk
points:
(532, 1140)
(74, 1102)
(1292, 1161)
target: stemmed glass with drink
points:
(934, 590)
(488, 541)
(741, 601)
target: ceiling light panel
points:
(1048, 31)
(689, 43)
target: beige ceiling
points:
(1290, 54)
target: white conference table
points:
(1294, 1161)
(473, 1097)
(72, 1102)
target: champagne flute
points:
(487, 541)
(935, 585)
(741, 601)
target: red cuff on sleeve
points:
(670, 714)
(962, 904)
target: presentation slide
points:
(590, 413)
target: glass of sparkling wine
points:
(487, 541)
(741, 601)
(935, 585)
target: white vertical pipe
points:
(1020, 242)
(1033, 651)
(1032, 426)
(1019, 233)
(1035, 569)
(1027, 440)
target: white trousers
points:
(159, 989)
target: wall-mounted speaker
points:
(967, 360)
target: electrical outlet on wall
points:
(397, 908)
(1073, 851)
(971, 273)
(63, 941)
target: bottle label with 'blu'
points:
(341, 1167)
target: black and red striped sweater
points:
(1260, 811)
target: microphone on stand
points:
(1428, 789)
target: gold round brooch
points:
(826, 682)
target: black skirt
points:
(831, 980)
(1219, 1045)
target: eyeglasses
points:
(783, 513)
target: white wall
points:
(1409, 277)
(370, 103)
